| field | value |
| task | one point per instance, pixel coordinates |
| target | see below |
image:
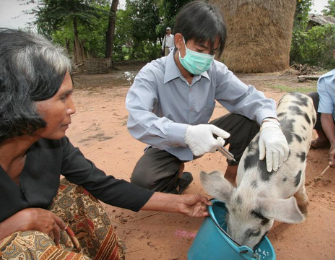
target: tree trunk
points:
(110, 30)
(78, 57)
(67, 43)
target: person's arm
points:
(116, 192)
(239, 98)
(325, 88)
(33, 219)
(193, 205)
(143, 105)
(328, 127)
(245, 100)
(120, 193)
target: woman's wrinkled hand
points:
(41, 220)
(194, 205)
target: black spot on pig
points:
(252, 158)
(295, 110)
(299, 139)
(287, 128)
(302, 100)
(265, 175)
(297, 178)
(302, 156)
(252, 161)
(252, 232)
(281, 115)
(239, 200)
(284, 179)
(307, 118)
(254, 184)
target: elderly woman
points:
(49, 190)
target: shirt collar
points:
(333, 72)
(172, 71)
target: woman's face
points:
(57, 111)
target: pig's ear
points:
(284, 210)
(216, 185)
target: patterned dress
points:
(89, 233)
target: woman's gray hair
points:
(31, 69)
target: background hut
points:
(319, 20)
(259, 34)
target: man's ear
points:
(178, 40)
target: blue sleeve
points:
(326, 104)
(239, 98)
(142, 103)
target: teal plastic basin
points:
(213, 243)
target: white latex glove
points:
(200, 140)
(273, 144)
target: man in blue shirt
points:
(173, 98)
(324, 102)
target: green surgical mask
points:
(196, 62)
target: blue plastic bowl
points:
(213, 243)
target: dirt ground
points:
(99, 129)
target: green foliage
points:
(60, 19)
(314, 47)
(141, 19)
(330, 8)
(91, 36)
(168, 10)
(302, 9)
(122, 36)
(53, 15)
(139, 29)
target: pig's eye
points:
(253, 232)
(256, 233)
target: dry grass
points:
(259, 34)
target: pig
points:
(261, 196)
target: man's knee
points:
(315, 98)
(155, 170)
(140, 179)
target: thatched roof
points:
(259, 34)
(318, 19)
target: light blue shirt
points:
(326, 90)
(161, 103)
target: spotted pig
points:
(261, 196)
